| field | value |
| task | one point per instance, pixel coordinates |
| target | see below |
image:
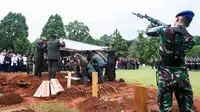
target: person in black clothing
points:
(7, 63)
(39, 57)
(111, 63)
(53, 55)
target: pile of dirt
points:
(70, 94)
(24, 110)
(1, 90)
(95, 105)
(9, 99)
(2, 79)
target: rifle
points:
(151, 19)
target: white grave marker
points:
(70, 78)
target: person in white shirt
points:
(2, 55)
(24, 63)
(14, 63)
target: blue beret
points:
(187, 13)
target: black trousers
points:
(39, 67)
(52, 68)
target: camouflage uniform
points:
(172, 74)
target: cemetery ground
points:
(113, 96)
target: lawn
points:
(147, 76)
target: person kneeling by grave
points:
(100, 65)
(90, 69)
(82, 63)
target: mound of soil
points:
(1, 90)
(24, 110)
(70, 94)
(95, 105)
(9, 99)
(2, 79)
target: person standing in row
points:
(53, 55)
(39, 57)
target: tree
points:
(92, 41)
(142, 46)
(152, 50)
(54, 25)
(14, 33)
(194, 52)
(120, 44)
(106, 39)
(77, 31)
(33, 47)
(133, 50)
(197, 39)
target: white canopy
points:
(79, 46)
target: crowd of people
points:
(11, 62)
(128, 63)
(193, 64)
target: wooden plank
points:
(94, 84)
(140, 99)
(38, 93)
(57, 85)
(45, 89)
(53, 89)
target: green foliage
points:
(197, 39)
(106, 39)
(120, 44)
(194, 52)
(77, 31)
(152, 50)
(142, 46)
(144, 49)
(133, 50)
(33, 47)
(19, 47)
(14, 33)
(92, 41)
(54, 26)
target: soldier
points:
(173, 75)
(82, 64)
(39, 57)
(53, 55)
(99, 67)
(111, 63)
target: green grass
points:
(50, 107)
(147, 76)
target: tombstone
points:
(69, 77)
